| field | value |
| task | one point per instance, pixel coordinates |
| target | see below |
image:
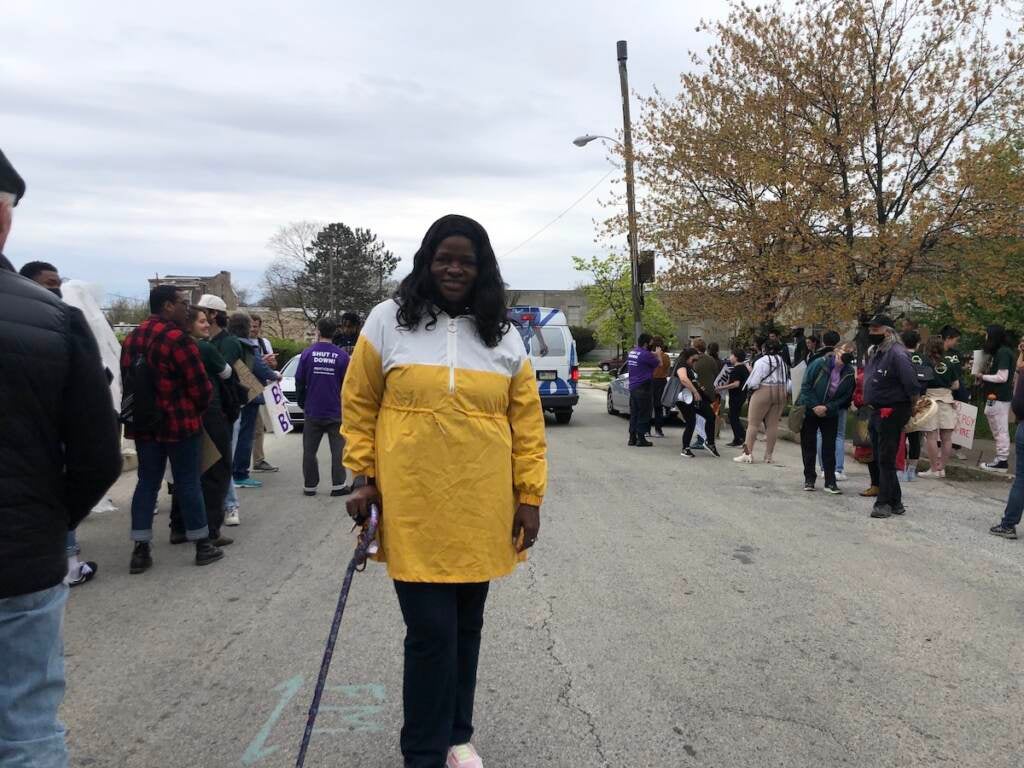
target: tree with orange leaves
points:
(824, 160)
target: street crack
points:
(565, 694)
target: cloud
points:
(178, 138)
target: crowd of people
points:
(904, 393)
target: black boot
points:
(206, 553)
(142, 560)
(632, 439)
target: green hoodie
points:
(814, 390)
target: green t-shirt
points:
(1001, 360)
(945, 373)
(956, 361)
(214, 363)
(229, 347)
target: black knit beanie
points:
(10, 181)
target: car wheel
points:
(611, 404)
(605, 367)
(563, 416)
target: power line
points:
(579, 200)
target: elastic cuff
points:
(196, 535)
(533, 501)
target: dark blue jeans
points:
(1015, 504)
(184, 458)
(246, 433)
(641, 405)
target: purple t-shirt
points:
(642, 363)
(321, 371)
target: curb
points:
(129, 461)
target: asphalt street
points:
(675, 612)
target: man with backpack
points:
(166, 392)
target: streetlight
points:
(582, 141)
(627, 151)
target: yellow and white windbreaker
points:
(453, 432)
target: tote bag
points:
(672, 387)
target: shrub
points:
(286, 349)
(586, 340)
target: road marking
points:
(360, 714)
(256, 750)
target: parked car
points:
(288, 390)
(552, 349)
(618, 395)
(611, 364)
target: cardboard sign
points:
(209, 454)
(966, 421)
(796, 376)
(248, 380)
(275, 412)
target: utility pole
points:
(330, 280)
(627, 135)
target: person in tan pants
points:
(769, 381)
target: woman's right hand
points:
(359, 503)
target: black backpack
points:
(139, 409)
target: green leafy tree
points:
(346, 270)
(586, 340)
(611, 304)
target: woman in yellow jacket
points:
(443, 426)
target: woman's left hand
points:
(526, 524)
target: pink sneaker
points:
(463, 756)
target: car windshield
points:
(289, 368)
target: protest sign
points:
(966, 420)
(796, 376)
(248, 380)
(275, 412)
(209, 454)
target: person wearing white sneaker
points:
(444, 431)
(997, 384)
(463, 756)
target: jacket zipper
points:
(453, 336)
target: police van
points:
(552, 350)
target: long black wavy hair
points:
(418, 296)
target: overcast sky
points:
(176, 137)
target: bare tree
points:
(282, 284)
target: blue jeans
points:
(231, 501)
(840, 444)
(1015, 504)
(71, 547)
(32, 679)
(184, 457)
(246, 432)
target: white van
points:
(552, 350)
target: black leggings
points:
(442, 647)
(689, 412)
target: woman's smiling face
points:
(454, 269)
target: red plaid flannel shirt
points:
(183, 389)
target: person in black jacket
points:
(60, 452)
(1007, 527)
